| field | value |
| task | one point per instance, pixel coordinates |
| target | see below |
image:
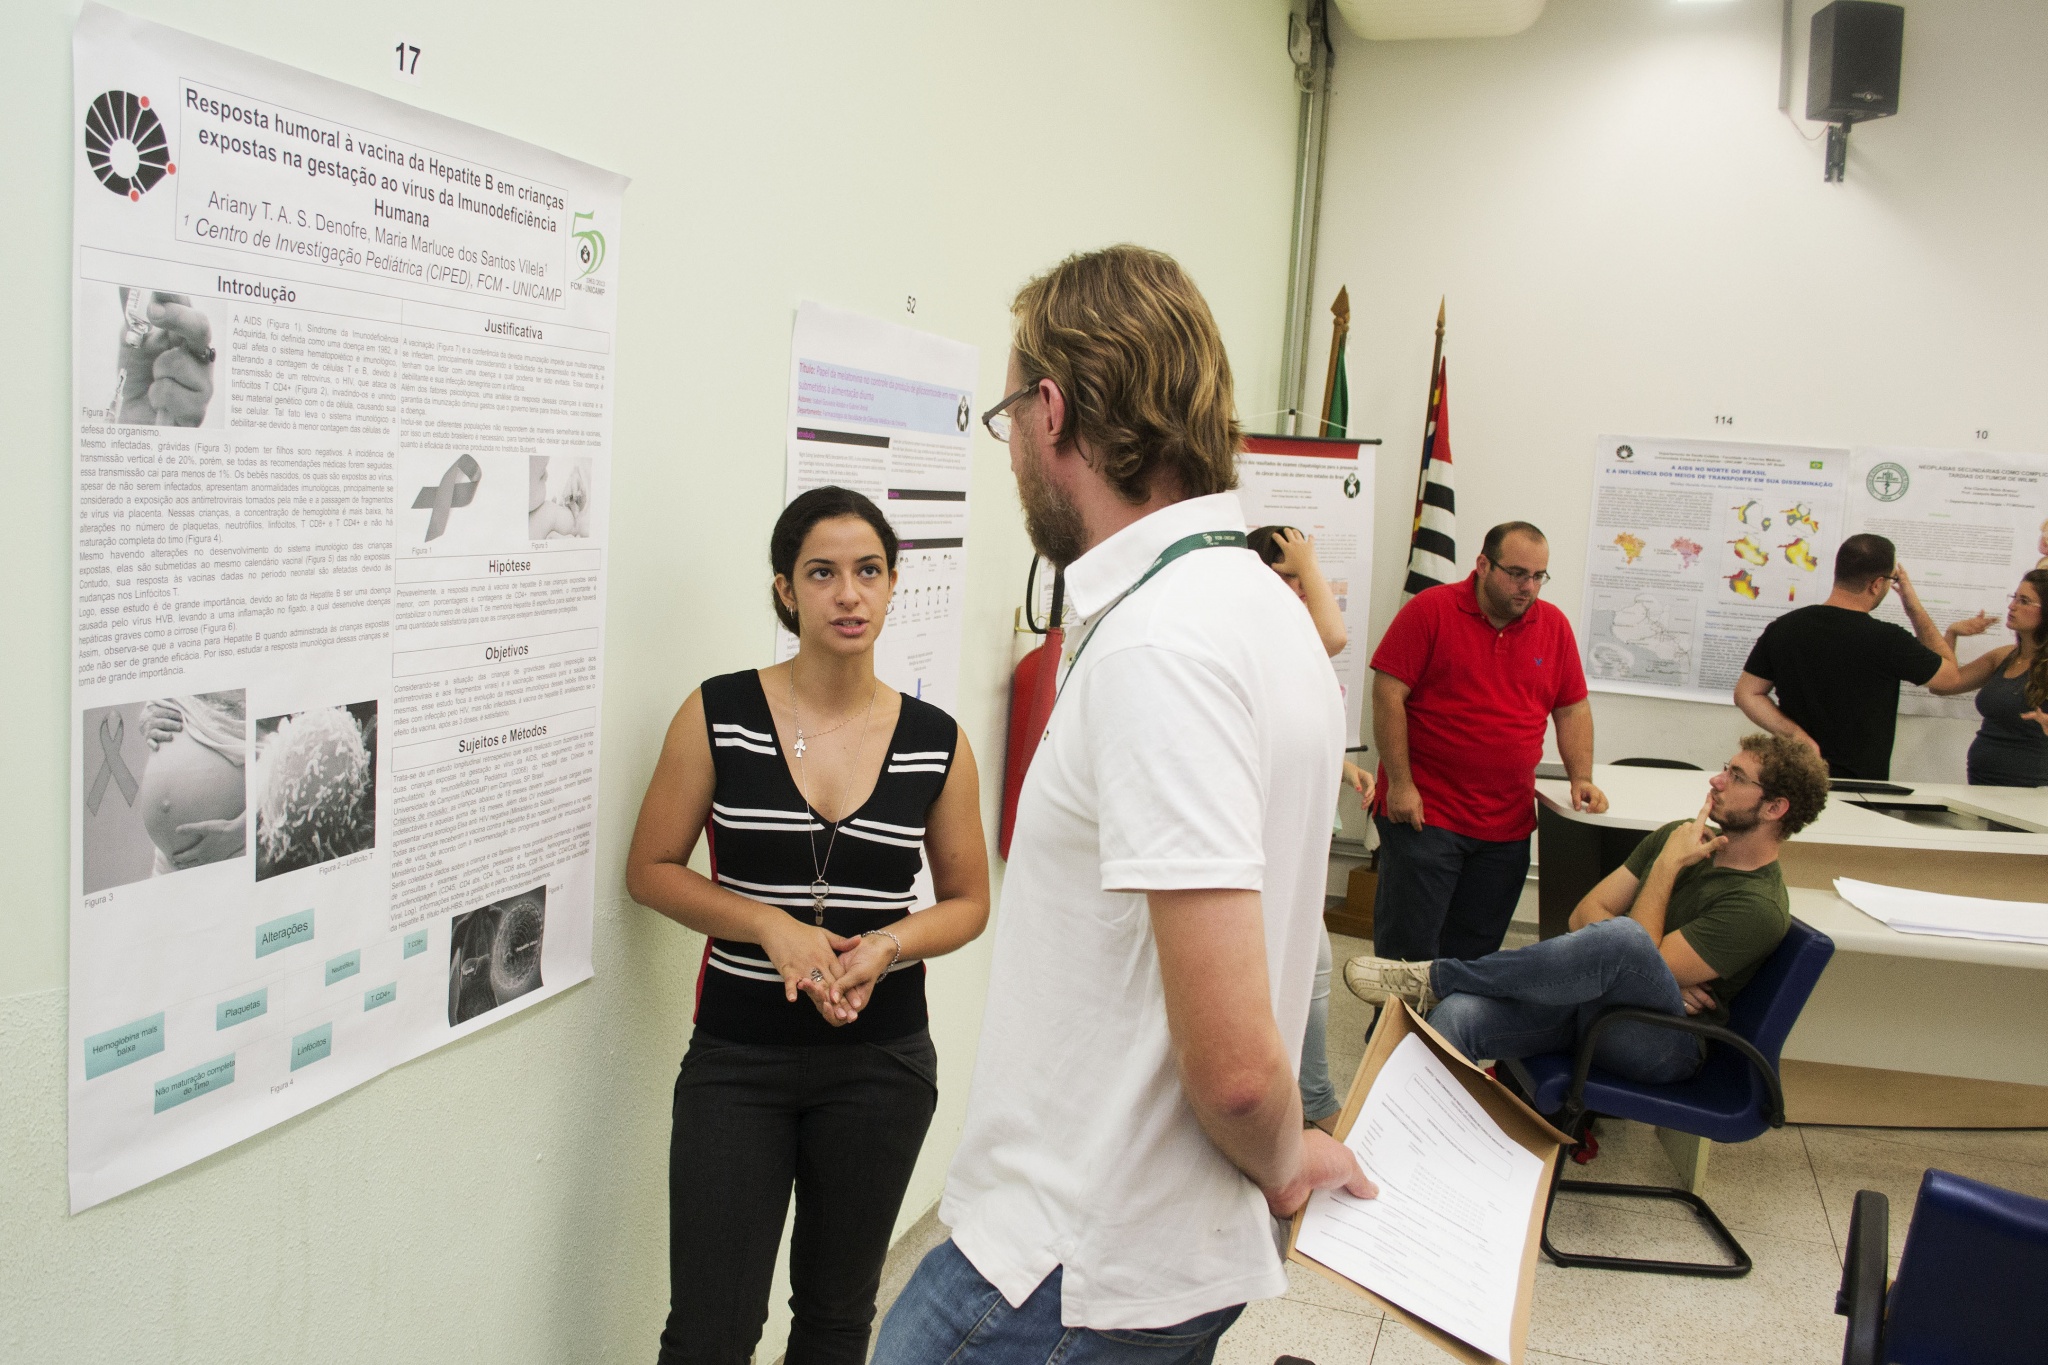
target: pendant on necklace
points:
(819, 890)
(799, 746)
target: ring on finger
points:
(817, 975)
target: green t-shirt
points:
(1732, 919)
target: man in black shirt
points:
(1837, 670)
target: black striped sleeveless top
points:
(761, 833)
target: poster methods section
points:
(1967, 525)
(342, 379)
(1695, 547)
(1323, 489)
(889, 412)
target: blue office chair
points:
(1973, 1280)
(1732, 1098)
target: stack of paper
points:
(1925, 912)
(1446, 1236)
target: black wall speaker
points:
(1852, 65)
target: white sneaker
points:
(1379, 979)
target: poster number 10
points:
(408, 61)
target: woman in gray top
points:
(2011, 748)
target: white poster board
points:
(889, 412)
(1693, 548)
(342, 404)
(1967, 525)
(1322, 488)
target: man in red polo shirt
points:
(1463, 683)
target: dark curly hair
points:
(2037, 673)
(1793, 771)
(1131, 342)
(806, 510)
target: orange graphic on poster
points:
(1799, 514)
(1631, 546)
(1741, 584)
(1741, 510)
(1800, 554)
(1751, 552)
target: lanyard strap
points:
(1200, 540)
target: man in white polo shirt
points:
(1135, 1122)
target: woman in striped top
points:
(820, 793)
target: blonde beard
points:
(1051, 518)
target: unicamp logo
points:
(125, 144)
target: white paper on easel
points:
(1445, 1237)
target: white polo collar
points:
(1095, 579)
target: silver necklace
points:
(820, 888)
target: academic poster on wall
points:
(341, 406)
(1696, 546)
(889, 411)
(1322, 488)
(1967, 525)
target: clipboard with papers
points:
(1464, 1169)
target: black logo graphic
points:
(1624, 452)
(125, 144)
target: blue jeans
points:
(1542, 998)
(949, 1315)
(1442, 894)
(1318, 1099)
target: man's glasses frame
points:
(997, 419)
(1518, 576)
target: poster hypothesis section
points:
(342, 405)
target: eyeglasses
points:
(1520, 576)
(1739, 777)
(998, 421)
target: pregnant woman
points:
(192, 795)
(821, 792)
(2011, 747)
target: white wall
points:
(504, 1198)
(1632, 238)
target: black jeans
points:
(843, 1125)
(1442, 894)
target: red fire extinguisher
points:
(1033, 688)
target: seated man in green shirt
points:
(1680, 928)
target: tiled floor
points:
(1786, 1196)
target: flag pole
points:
(1340, 327)
(1435, 370)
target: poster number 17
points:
(408, 61)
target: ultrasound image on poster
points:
(494, 954)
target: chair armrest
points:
(1582, 1065)
(1861, 1298)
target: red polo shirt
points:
(1478, 703)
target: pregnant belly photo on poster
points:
(165, 787)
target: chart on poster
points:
(1967, 524)
(1696, 546)
(888, 411)
(1322, 488)
(342, 382)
